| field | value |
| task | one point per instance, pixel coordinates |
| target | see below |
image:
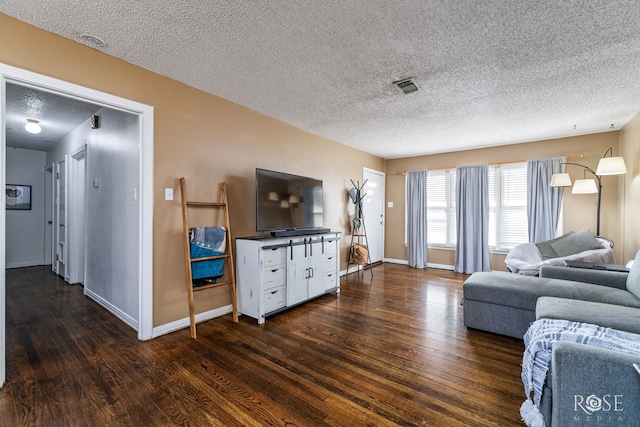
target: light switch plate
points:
(168, 193)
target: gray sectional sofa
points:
(506, 303)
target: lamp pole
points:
(599, 197)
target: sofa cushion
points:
(607, 315)
(546, 251)
(578, 242)
(514, 290)
(633, 280)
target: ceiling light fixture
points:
(33, 126)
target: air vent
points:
(407, 85)
(92, 41)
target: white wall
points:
(25, 229)
(112, 233)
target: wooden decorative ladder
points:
(227, 256)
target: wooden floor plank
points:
(388, 350)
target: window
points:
(441, 208)
(507, 207)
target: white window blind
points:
(507, 207)
(441, 209)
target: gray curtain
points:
(417, 218)
(543, 201)
(472, 219)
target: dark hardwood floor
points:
(391, 350)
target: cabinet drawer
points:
(330, 263)
(272, 257)
(330, 248)
(330, 280)
(274, 299)
(274, 278)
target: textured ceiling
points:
(57, 115)
(490, 72)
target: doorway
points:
(144, 192)
(373, 210)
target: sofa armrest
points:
(614, 279)
(607, 315)
(592, 384)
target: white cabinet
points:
(273, 274)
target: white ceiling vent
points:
(407, 85)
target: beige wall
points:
(208, 139)
(199, 136)
(579, 211)
(630, 189)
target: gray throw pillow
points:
(546, 251)
(578, 242)
(633, 279)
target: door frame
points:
(76, 214)
(10, 74)
(365, 172)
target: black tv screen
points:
(287, 202)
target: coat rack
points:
(356, 195)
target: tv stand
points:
(299, 232)
(274, 274)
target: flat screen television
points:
(288, 204)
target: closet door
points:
(61, 218)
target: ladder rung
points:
(209, 258)
(207, 204)
(211, 285)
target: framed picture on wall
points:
(18, 197)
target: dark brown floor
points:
(391, 350)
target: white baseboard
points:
(130, 321)
(429, 264)
(440, 266)
(396, 261)
(25, 264)
(184, 322)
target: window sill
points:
(452, 248)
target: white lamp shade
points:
(560, 180)
(611, 166)
(584, 186)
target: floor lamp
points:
(606, 166)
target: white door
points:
(373, 212)
(49, 245)
(62, 219)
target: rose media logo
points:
(598, 409)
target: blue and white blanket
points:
(538, 343)
(204, 242)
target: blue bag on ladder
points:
(204, 242)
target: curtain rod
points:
(572, 156)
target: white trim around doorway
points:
(10, 74)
